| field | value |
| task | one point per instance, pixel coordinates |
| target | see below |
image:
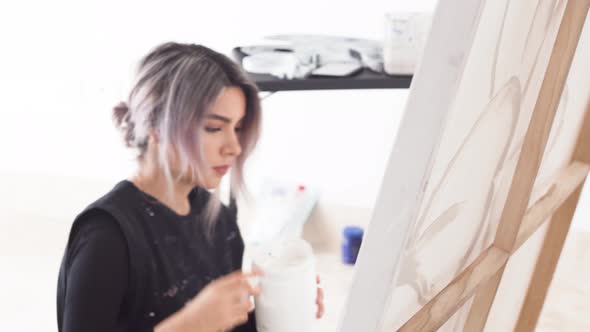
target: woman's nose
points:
(233, 146)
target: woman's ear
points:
(154, 137)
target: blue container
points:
(353, 237)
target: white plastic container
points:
(405, 37)
(288, 287)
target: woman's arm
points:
(97, 277)
(222, 305)
(237, 249)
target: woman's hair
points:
(175, 86)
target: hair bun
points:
(121, 114)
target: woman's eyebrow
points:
(220, 117)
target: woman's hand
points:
(319, 299)
(221, 305)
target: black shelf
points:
(366, 79)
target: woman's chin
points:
(211, 183)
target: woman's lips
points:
(221, 170)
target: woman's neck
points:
(154, 183)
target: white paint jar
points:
(288, 287)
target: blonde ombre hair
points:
(175, 86)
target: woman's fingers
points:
(256, 272)
(320, 296)
(320, 312)
(250, 306)
(257, 269)
(320, 303)
(239, 282)
(240, 319)
(238, 276)
(245, 306)
(245, 286)
(242, 309)
(242, 292)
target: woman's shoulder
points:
(121, 192)
(111, 204)
(100, 215)
(98, 224)
(96, 230)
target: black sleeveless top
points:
(169, 257)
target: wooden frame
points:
(482, 278)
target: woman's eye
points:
(212, 129)
(238, 129)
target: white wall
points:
(65, 64)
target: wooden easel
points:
(482, 278)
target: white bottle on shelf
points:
(281, 211)
(405, 36)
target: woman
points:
(159, 252)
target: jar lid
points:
(353, 232)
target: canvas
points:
(454, 161)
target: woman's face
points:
(220, 135)
(219, 139)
